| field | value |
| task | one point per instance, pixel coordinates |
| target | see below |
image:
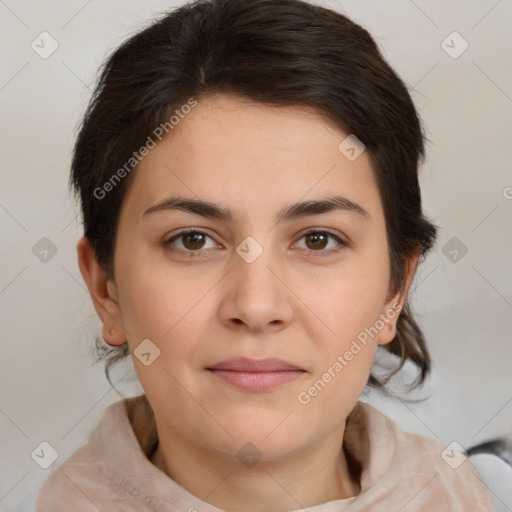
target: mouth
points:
(256, 375)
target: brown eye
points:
(318, 241)
(189, 241)
(193, 240)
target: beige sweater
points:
(400, 471)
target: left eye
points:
(318, 240)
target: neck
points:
(312, 477)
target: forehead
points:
(233, 148)
(250, 127)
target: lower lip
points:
(257, 381)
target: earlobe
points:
(103, 292)
(395, 305)
(388, 321)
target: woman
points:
(248, 176)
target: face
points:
(266, 281)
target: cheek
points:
(351, 305)
(334, 392)
(347, 354)
(352, 301)
(157, 299)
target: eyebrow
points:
(214, 211)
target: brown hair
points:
(275, 52)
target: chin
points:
(273, 435)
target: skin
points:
(301, 300)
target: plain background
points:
(49, 389)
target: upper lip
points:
(244, 364)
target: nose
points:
(256, 297)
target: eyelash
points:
(321, 253)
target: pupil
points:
(318, 237)
(195, 240)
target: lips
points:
(242, 364)
(256, 375)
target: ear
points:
(394, 306)
(103, 293)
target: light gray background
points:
(49, 390)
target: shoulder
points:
(87, 480)
(419, 470)
(74, 484)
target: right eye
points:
(190, 241)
